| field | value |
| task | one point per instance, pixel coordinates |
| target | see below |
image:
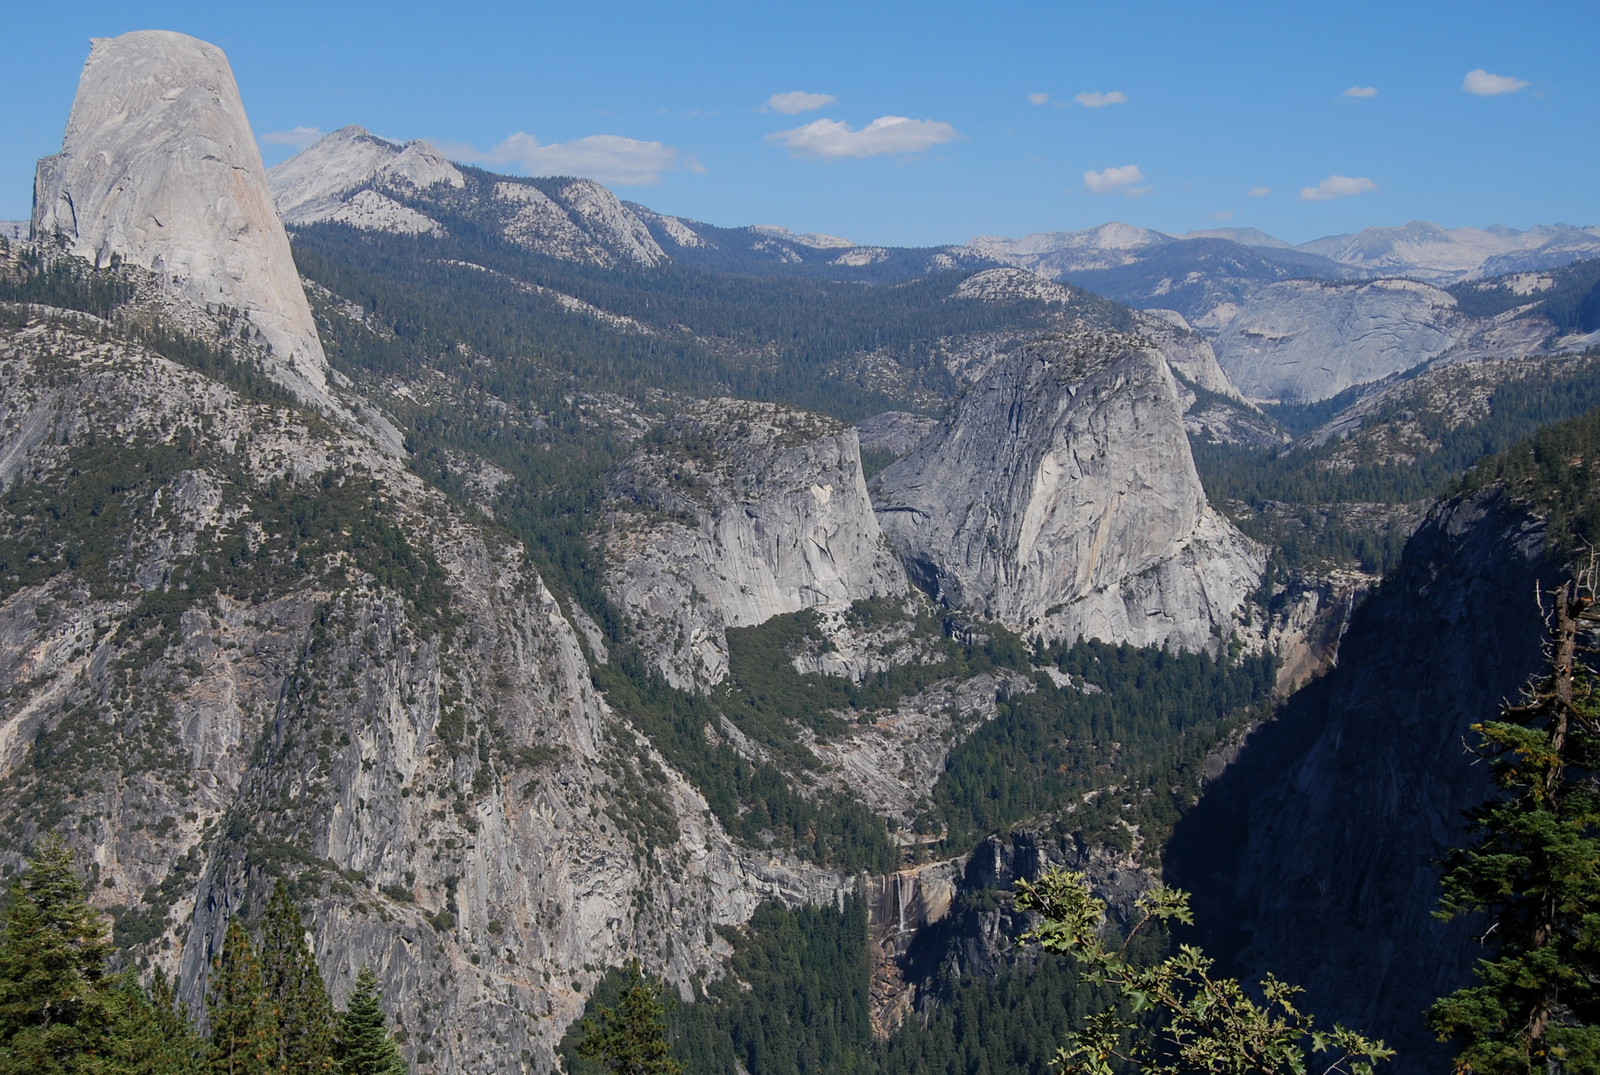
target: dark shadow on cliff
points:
(1313, 856)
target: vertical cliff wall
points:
(158, 168)
(733, 513)
(1313, 856)
(1060, 497)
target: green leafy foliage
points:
(1533, 868)
(1179, 1018)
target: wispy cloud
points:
(1260, 192)
(1481, 83)
(609, 158)
(831, 139)
(1336, 186)
(1038, 98)
(1100, 100)
(1115, 181)
(1361, 91)
(299, 137)
(792, 104)
(1224, 214)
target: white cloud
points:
(1482, 84)
(1260, 192)
(1038, 98)
(1361, 91)
(1115, 181)
(792, 104)
(1100, 100)
(299, 137)
(608, 158)
(1336, 186)
(831, 139)
(1224, 214)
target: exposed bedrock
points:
(731, 514)
(158, 168)
(1060, 498)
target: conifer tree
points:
(244, 1027)
(364, 1045)
(151, 1034)
(1534, 870)
(55, 1010)
(296, 991)
(630, 1039)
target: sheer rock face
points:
(1060, 498)
(158, 167)
(1313, 856)
(734, 513)
(1303, 340)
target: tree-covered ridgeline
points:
(1532, 871)
(64, 1011)
(1316, 482)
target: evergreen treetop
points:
(55, 1007)
(365, 1046)
(630, 1039)
(294, 987)
(244, 1027)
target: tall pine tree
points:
(1534, 871)
(55, 1004)
(365, 1046)
(631, 1039)
(244, 1027)
(296, 991)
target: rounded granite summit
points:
(159, 168)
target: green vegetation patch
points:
(1141, 719)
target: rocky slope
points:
(328, 179)
(271, 650)
(1304, 340)
(1313, 856)
(731, 514)
(1060, 498)
(158, 168)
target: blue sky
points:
(1220, 100)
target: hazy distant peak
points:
(1242, 236)
(1442, 255)
(314, 184)
(811, 239)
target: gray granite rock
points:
(158, 168)
(1304, 340)
(734, 513)
(1060, 498)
